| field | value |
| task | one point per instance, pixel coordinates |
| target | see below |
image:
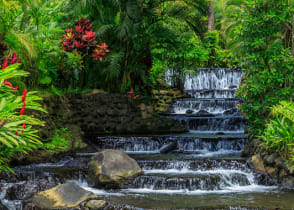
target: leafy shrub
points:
(279, 132)
(60, 141)
(18, 132)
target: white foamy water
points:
(215, 79)
(234, 189)
(203, 172)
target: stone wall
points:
(269, 162)
(102, 113)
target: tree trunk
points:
(211, 16)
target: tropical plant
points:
(279, 132)
(267, 62)
(18, 131)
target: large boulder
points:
(63, 196)
(111, 168)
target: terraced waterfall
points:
(204, 170)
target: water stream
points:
(205, 172)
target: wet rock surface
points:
(168, 147)
(270, 163)
(66, 195)
(96, 204)
(111, 168)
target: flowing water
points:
(206, 171)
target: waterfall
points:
(204, 171)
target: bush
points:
(279, 132)
(18, 132)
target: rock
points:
(2, 207)
(257, 163)
(111, 168)
(220, 133)
(288, 183)
(204, 113)
(169, 147)
(291, 170)
(189, 111)
(270, 159)
(271, 170)
(96, 204)
(262, 178)
(231, 111)
(233, 87)
(26, 190)
(95, 92)
(66, 195)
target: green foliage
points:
(267, 61)
(59, 142)
(11, 122)
(173, 33)
(279, 132)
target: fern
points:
(285, 109)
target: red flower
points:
(16, 133)
(23, 108)
(10, 85)
(14, 57)
(98, 54)
(5, 63)
(104, 47)
(68, 30)
(78, 44)
(79, 29)
(89, 36)
(89, 27)
(131, 94)
(24, 95)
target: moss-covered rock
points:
(63, 196)
(112, 168)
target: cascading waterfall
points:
(216, 131)
(213, 106)
(205, 171)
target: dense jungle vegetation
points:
(74, 46)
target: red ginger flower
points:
(24, 95)
(10, 85)
(5, 64)
(23, 108)
(14, 58)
